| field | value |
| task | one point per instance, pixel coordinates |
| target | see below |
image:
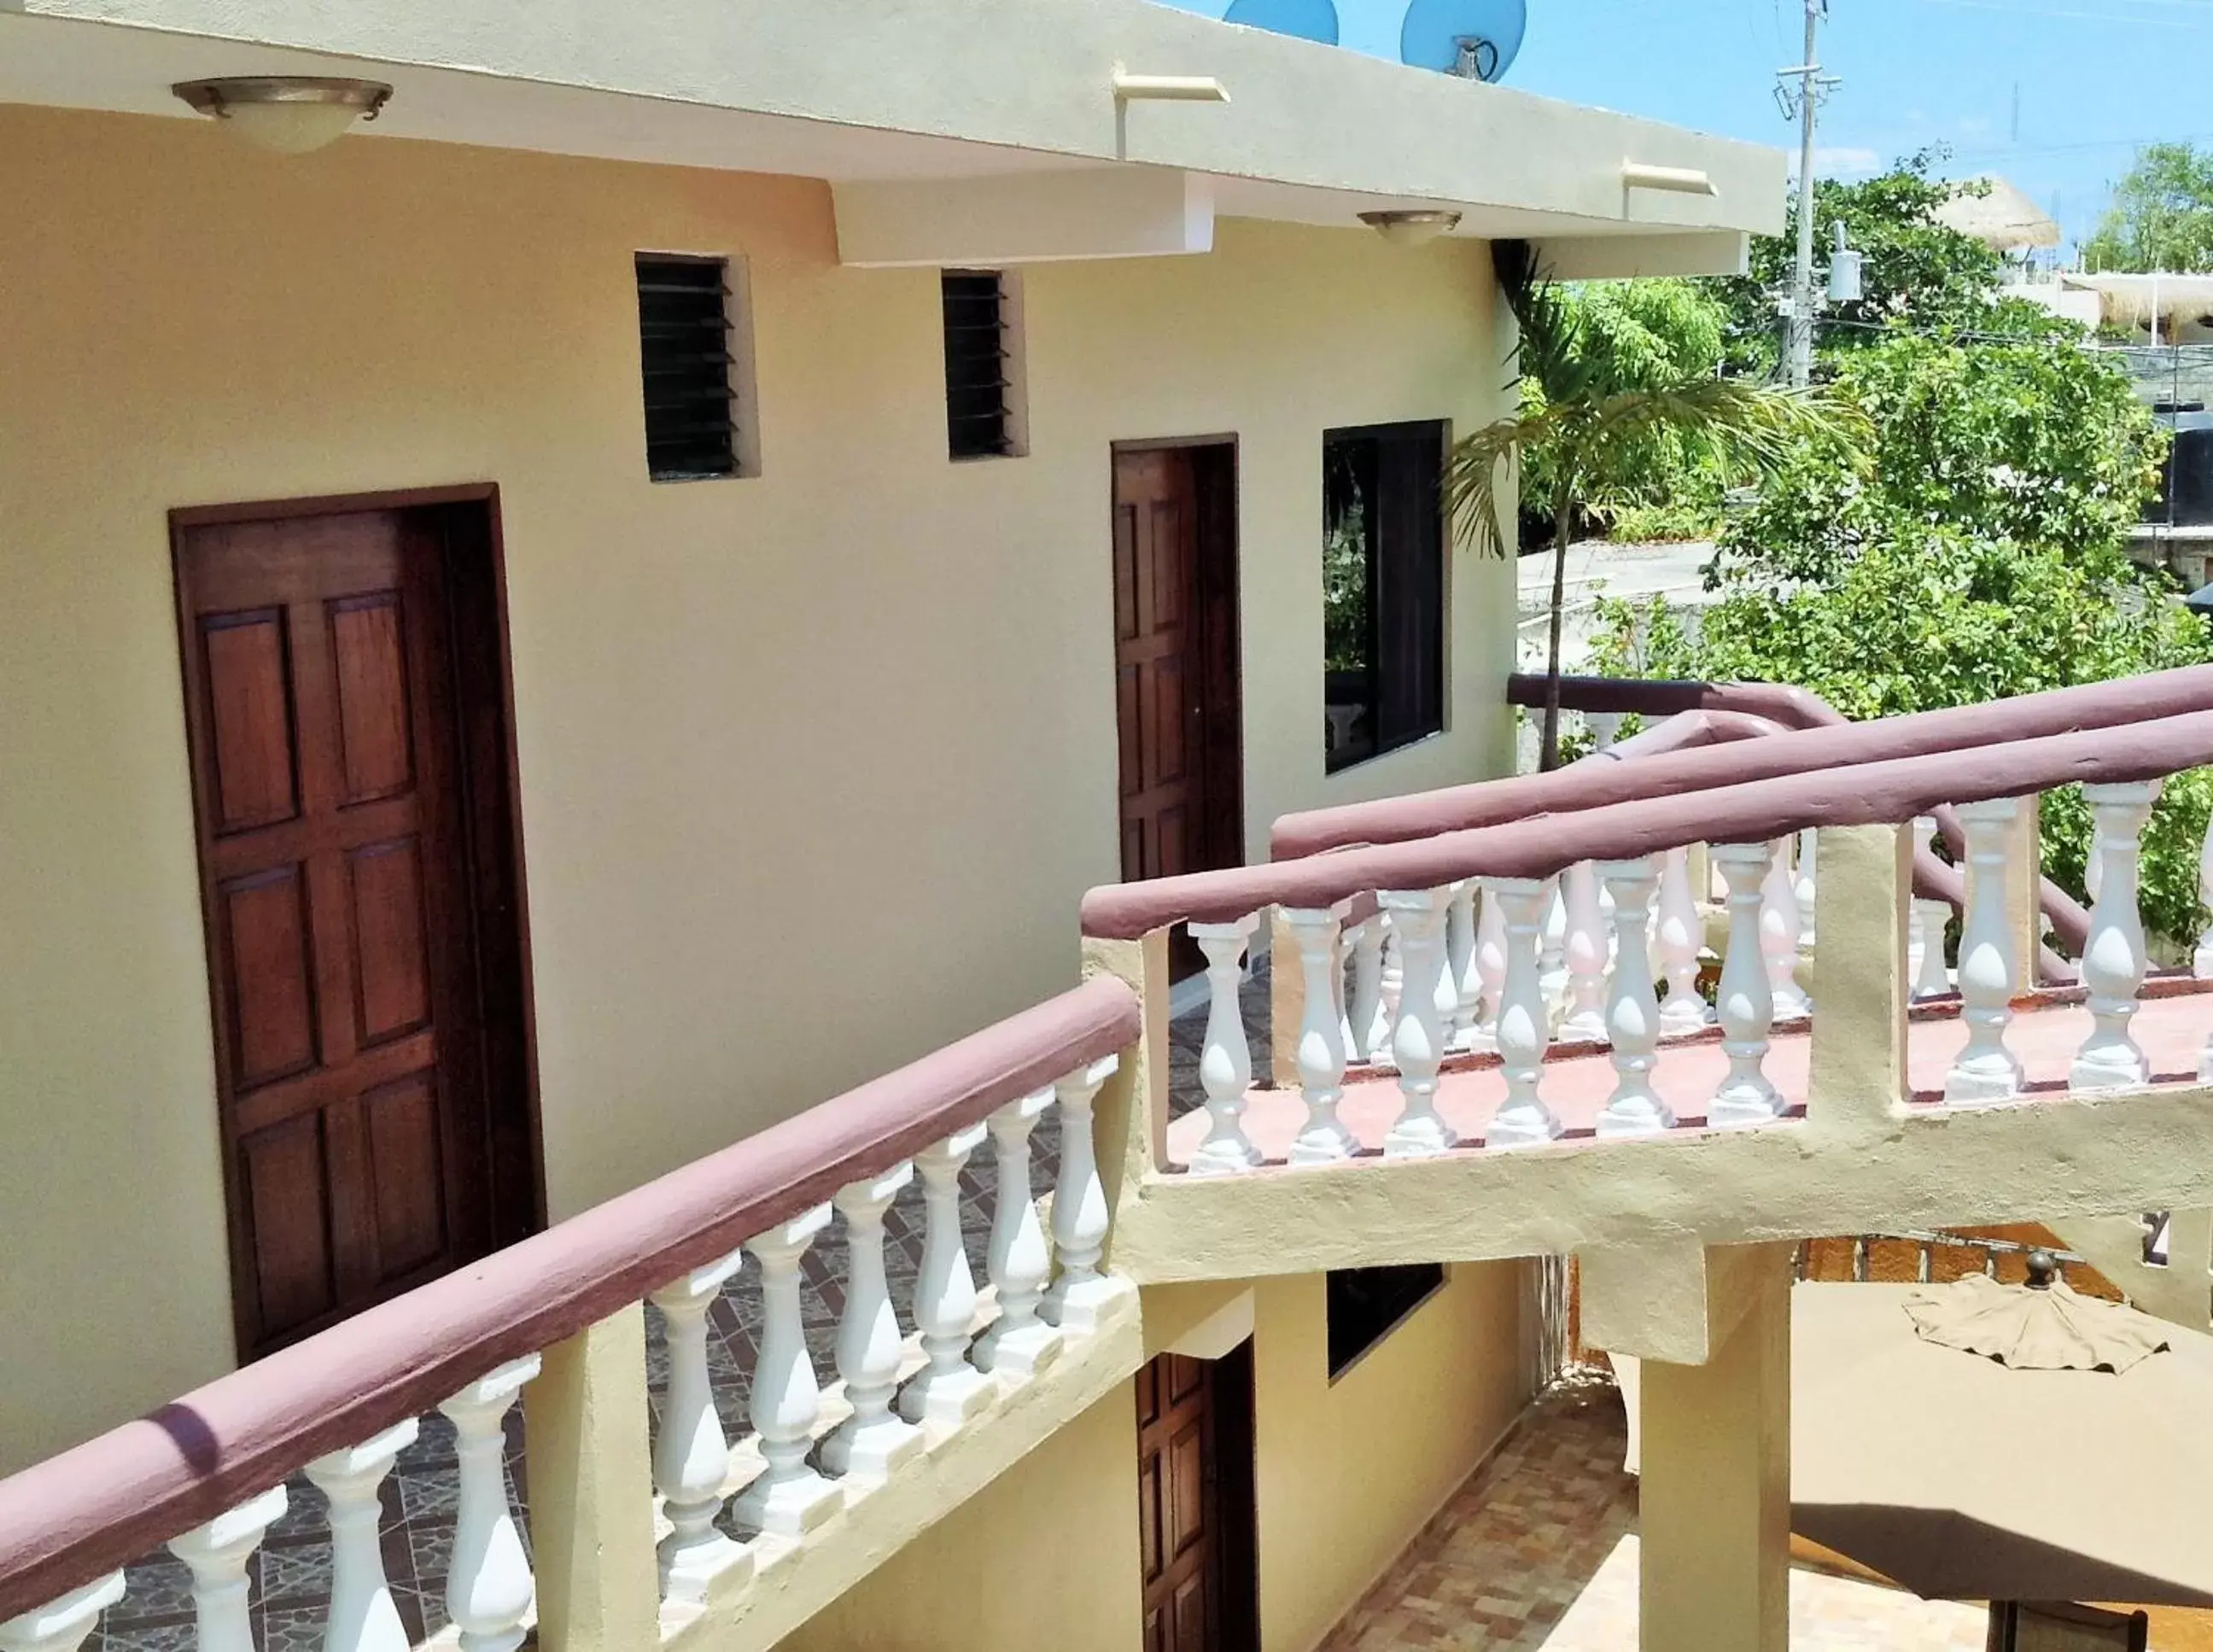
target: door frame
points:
(1231, 1476)
(470, 515)
(1220, 576)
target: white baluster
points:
(1632, 1010)
(788, 1498)
(1363, 1009)
(1459, 992)
(1490, 969)
(488, 1583)
(948, 1391)
(61, 1625)
(1019, 1343)
(1604, 729)
(1225, 1064)
(874, 1441)
(1321, 1048)
(1986, 1071)
(1393, 983)
(361, 1615)
(1809, 843)
(1417, 917)
(1925, 955)
(1524, 1023)
(1681, 937)
(1080, 1216)
(216, 1554)
(1585, 950)
(1778, 937)
(691, 1456)
(2113, 955)
(1552, 948)
(1745, 1002)
(2201, 963)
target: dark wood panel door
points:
(1194, 1520)
(349, 982)
(1176, 660)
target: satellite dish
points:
(1476, 39)
(1308, 20)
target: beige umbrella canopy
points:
(1978, 1441)
(2000, 217)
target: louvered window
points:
(683, 342)
(977, 374)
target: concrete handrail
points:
(73, 1518)
(1767, 800)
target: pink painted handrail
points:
(1770, 805)
(106, 1503)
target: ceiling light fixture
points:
(290, 114)
(1403, 229)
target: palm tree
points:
(1594, 435)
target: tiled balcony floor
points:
(2171, 1028)
(1539, 1551)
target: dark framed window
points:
(692, 368)
(1365, 1305)
(983, 365)
(1383, 588)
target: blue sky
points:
(2094, 77)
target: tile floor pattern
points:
(289, 1576)
(1537, 1553)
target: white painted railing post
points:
(1524, 1018)
(1925, 964)
(1604, 729)
(488, 1582)
(1461, 979)
(1489, 969)
(872, 1441)
(2113, 955)
(1584, 947)
(1225, 1064)
(1632, 1010)
(1552, 946)
(1803, 889)
(1746, 1001)
(948, 1391)
(788, 1497)
(1321, 1048)
(1018, 1343)
(1681, 937)
(1081, 1219)
(216, 1554)
(62, 1626)
(1392, 990)
(361, 1615)
(1363, 1008)
(1417, 1044)
(1778, 936)
(691, 1456)
(2201, 963)
(1986, 1071)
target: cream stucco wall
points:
(1346, 1474)
(814, 764)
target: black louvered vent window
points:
(975, 365)
(684, 340)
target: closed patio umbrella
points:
(1980, 1442)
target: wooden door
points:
(1176, 660)
(1194, 1504)
(358, 1049)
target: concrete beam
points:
(1678, 1302)
(1030, 217)
(1610, 258)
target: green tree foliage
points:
(2161, 217)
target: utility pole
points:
(1804, 101)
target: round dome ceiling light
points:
(1410, 229)
(289, 114)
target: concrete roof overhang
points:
(864, 92)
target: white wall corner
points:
(1611, 257)
(1030, 217)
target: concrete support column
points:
(1713, 1505)
(591, 1491)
